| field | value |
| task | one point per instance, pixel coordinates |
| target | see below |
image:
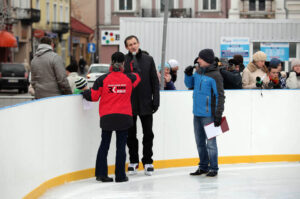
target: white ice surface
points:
(240, 181)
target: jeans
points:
(101, 162)
(133, 143)
(207, 149)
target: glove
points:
(189, 70)
(155, 108)
(217, 121)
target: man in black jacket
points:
(145, 102)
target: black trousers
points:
(101, 162)
(133, 143)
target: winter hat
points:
(166, 66)
(295, 62)
(239, 59)
(81, 83)
(207, 55)
(274, 63)
(259, 56)
(173, 63)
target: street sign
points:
(91, 48)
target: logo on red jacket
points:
(117, 88)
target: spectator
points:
(81, 85)
(169, 85)
(231, 75)
(256, 72)
(276, 64)
(239, 62)
(48, 75)
(174, 66)
(208, 106)
(273, 75)
(77, 83)
(82, 64)
(145, 102)
(293, 81)
(115, 115)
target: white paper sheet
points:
(212, 131)
(87, 105)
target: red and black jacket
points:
(115, 90)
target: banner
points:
(231, 46)
(276, 50)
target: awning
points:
(7, 39)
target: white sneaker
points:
(149, 169)
(132, 168)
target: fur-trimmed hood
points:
(252, 67)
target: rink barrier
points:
(48, 142)
(160, 164)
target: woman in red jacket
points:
(114, 90)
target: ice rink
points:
(243, 181)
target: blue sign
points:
(231, 46)
(276, 50)
(91, 48)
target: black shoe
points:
(104, 179)
(198, 172)
(122, 180)
(212, 174)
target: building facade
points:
(110, 12)
(54, 22)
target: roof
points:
(78, 26)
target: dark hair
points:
(270, 67)
(117, 57)
(46, 40)
(73, 67)
(239, 59)
(130, 37)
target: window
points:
(54, 12)
(37, 4)
(209, 4)
(262, 5)
(162, 5)
(67, 14)
(125, 4)
(252, 6)
(48, 11)
(61, 11)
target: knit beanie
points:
(207, 55)
(81, 83)
(259, 56)
(295, 62)
(167, 65)
(274, 62)
(173, 63)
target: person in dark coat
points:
(145, 102)
(231, 75)
(115, 89)
(82, 64)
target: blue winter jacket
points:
(208, 95)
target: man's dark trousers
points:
(133, 144)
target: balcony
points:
(174, 13)
(60, 27)
(257, 14)
(28, 15)
(181, 13)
